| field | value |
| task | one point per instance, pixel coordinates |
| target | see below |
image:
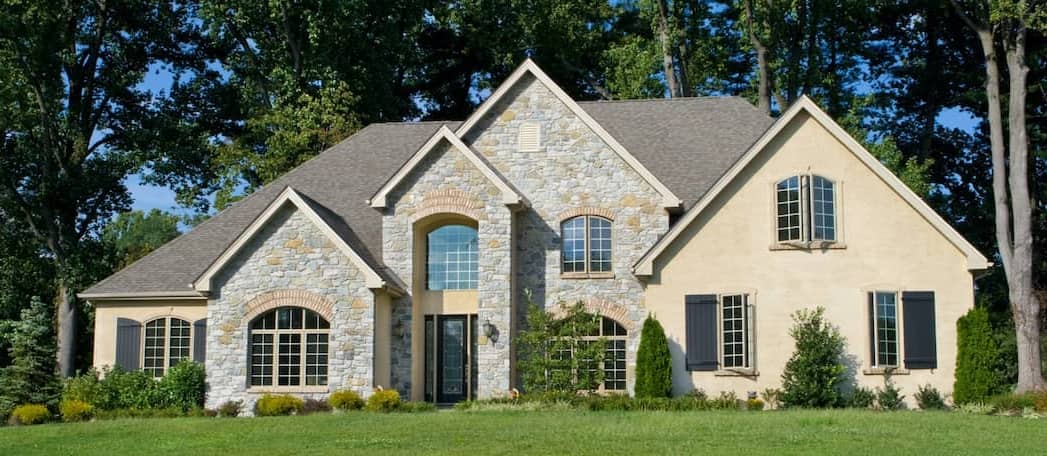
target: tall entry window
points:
(452, 258)
(289, 347)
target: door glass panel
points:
(453, 369)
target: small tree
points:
(556, 354)
(654, 376)
(30, 379)
(813, 374)
(976, 378)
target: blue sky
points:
(148, 197)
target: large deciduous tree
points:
(1006, 23)
(72, 123)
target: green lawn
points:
(606, 433)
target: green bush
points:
(130, 390)
(28, 414)
(754, 404)
(75, 410)
(813, 374)
(727, 400)
(345, 400)
(184, 386)
(315, 406)
(230, 409)
(87, 388)
(928, 398)
(861, 397)
(976, 353)
(546, 337)
(1012, 403)
(29, 378)
(384, 401)
(654, 376)
(889, 397)
(278, 405)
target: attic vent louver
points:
(530, 138)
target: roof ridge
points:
(650, 100)
(415, 122)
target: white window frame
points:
(749, 335)
(875, 362)
(587, 253)
(807, 240)
(166, 347)
(303, 350)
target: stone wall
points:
(291, 257)
(573, 172)
(447, 182)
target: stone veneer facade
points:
(447, 182)
(289, 262)
(574, 172)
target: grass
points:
(449, 432)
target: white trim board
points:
(669, 200)
(975, 260)
(510, 196)
(371, 277)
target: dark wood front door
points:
(451, 343)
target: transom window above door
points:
(586, 247)
(452, 258)
(806, 209)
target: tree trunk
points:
(67, 321)
(667, 50)
(763, 75)
(1024, 306)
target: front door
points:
(452, 346)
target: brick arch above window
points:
(588, 210)
(449, 201)
(603, 308)
(289, 298)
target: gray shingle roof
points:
(686, 143)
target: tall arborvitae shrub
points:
(654, 375)
(976, 378)
(815, 371)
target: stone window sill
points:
(883, 371)
(586, 275)
(288, 389)
(814, 245)
(737, 373)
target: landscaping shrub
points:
(278, 405)
(754, 404)
(976, 408)
(976, 353)
(727, 400)
(124, 413)
(654, 376)
(540, 349)
(345, 400)
(416, 407)
(611, 402)
(1012, 403)
(230, 409)
(184, 386)
(28, 414)
(814, 372)
(889, 397)
(86, 388)
(315, 406)
(384, 401)
(861, 397)
(1039, 401)
(75, 410)
(928, 398)
(131, 390)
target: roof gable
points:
(510, 196)
(669, 199)
(975, 260)
(290, 196)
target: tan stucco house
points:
(402, 256)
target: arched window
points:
(289, 348)
(452, 258)
(614, 336)
(806, 209)
(166, 344)
(586, 245)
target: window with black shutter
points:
(920, 338)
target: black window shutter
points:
(700, 313)
(128, 343)
(872, 329)
(200, 340)
(918, 320)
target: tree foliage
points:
(135, 234)
(654, 374)
(553, 354)
(30, 379)
(815, 371)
